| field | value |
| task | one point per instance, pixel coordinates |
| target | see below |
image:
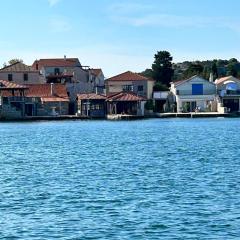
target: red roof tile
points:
(56, 62)
(54, 99)
(44, 90)
(129, 76)
(125, 97)
(90, 96)
(10, 85)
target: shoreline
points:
(122, 117)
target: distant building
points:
(20, 73)
(194, 94)
(130, 82)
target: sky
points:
(118, 36)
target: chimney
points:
(65, 58)
(211, 77)
(52, 90)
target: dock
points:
(193, 115)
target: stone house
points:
(20, 73)
(69, 71)
(12, 100)
(46, 100)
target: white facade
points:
(194, 94)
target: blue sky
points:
(119, 35)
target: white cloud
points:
(146, 15)
(53, 2)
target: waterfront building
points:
(91, 105)
(46, 100)
(228, 89)
(130, 82)
(194, 94)
(12, 100)
(20, 73)
(125, 103)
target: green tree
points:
(214, 70)
(147, 73)
(162, 70)
(194, 69)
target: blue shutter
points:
(197, 89)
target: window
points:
(128, 88)
(56, 71)
(25, 77)
(140, 88)
(197, 89)
(10, 77)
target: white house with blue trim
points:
(194, 94)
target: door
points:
(29, 110)
(231, 104)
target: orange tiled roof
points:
(129, 76)
(11, 85)
(44, 90)
(54, 99)
(56, 62)
(90, 96)
(125, 97)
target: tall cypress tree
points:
(162, 70)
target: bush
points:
(149, 105)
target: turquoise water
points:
(150, 179)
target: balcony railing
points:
(189, 92)
(16, 99)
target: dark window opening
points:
(25, 77)
(140, 88)
(56, 71)
(10, 77)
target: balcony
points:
(16, 99)
(225, 93)
(189, 92)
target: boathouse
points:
(91, 105)
(125, 103)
